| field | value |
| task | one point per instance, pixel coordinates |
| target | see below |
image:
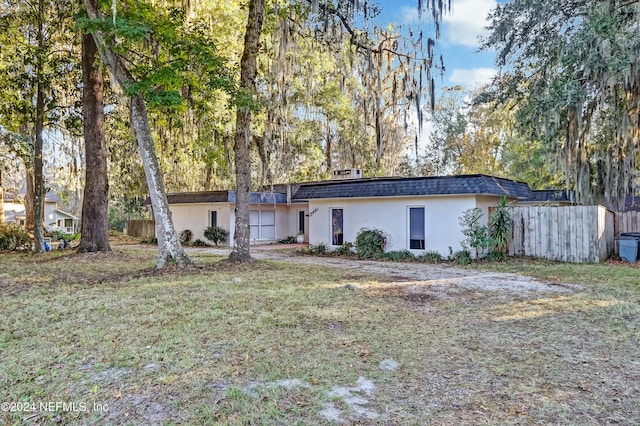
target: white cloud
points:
(472, 77)
(410, 15)
(467, 21)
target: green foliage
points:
(320, 248)
(14, 237)
(123, 209)
(461, 257)
(186, 236)
(216, 234)
(170, 58)
(496, 256)
(199, 243)
(501, 227)
(370, 243)
(573, 77)
(149, 240)
(346, 249)
(476, 234)
(398, 255)
(288, 240)
(431, 257)
(57, 235)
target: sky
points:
(458, 43)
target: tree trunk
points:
(28, 199)
(169, 247)
(327, 152)
(1, 199)
(243, 133)
(95, 203)
(38, 176)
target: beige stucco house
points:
(418, 214)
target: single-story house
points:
(418, 214)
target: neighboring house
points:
(54, 218)
(418, 214)
(14, 211)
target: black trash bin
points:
(628, 243)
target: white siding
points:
(50, 216)
(391, 216)
(195, 217)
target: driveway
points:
(416, 277)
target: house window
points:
(213, 218)
(301, 221)
(262, 224)
(337, 236)
(416, 228)
(68, 223)
(59, 223)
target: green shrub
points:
(14, 237)
(431, 257)
(199, 243)
(462, 257)
(186, 236)
(215, 234)
(320, 248)
(370, 243)
(477, 236)
(398, 255)
(496, 256)
(346, 249)
(288, 240)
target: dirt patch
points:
(440, 278)
(404, 293)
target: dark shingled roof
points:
(632, 203)
(552, 195)
(394, 187)
(369, 187)
(261, 198)
(224, 197)
(197, 197)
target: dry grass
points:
(284, 343)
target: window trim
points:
(211, 213)
(409, 239)
(260, 225)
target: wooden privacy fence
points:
(627, 222)
(141, 228)
(567, 234)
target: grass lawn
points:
(103, 339)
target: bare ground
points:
(418, 277)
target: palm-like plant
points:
(501, 227)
